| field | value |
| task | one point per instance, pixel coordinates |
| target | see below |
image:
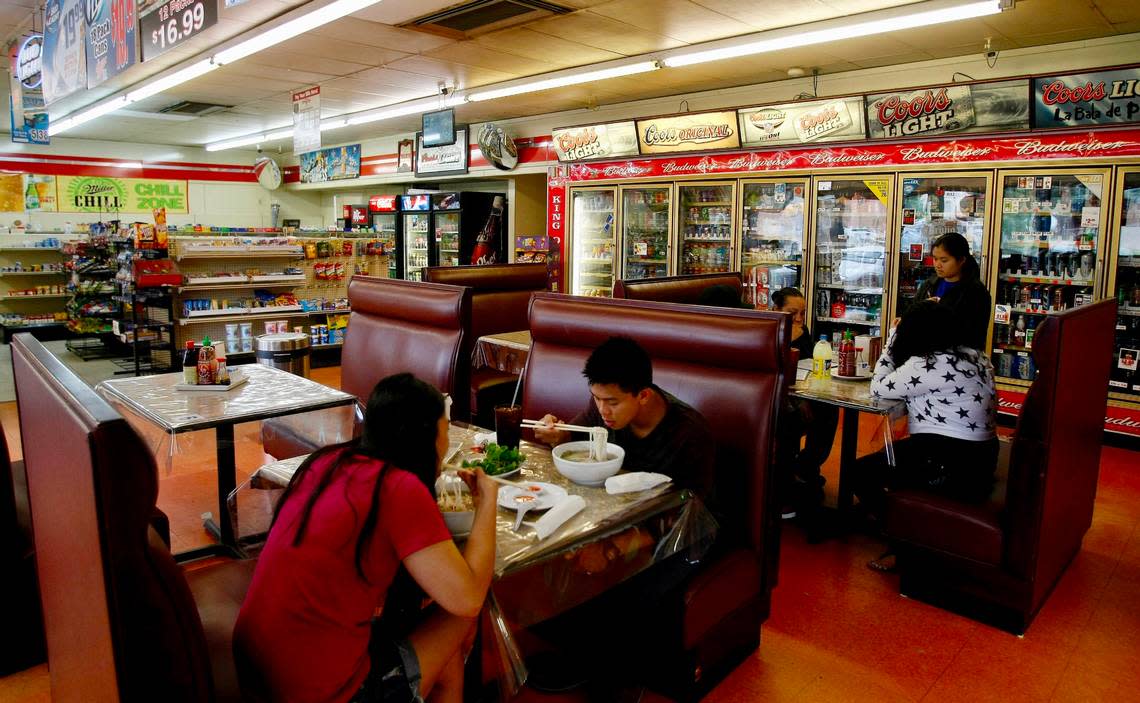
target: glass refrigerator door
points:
(850, 244)
(933, 206)
(416, 244)
(447, 238)
(593, 236)
(1125, 381)
(772, 238)
(385, 225)
(645, 231)
(706, 227)
(1047, 261)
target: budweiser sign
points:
(700, 131)
(952, 108)
(801, 123)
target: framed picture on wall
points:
(405, 156)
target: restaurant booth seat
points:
(999, 561)
(123, 621)
(732, 366)
(676, 289)
(22, 637)
(395, 326)
(500, 298)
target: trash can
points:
(288, 351)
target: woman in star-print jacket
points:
(949, 392)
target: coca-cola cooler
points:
(384, 210)
(467, 228)
(414, 228)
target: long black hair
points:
(956, 246)
(928, 328)
(400, 427)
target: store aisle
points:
(840, 632)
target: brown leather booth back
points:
(1055, 457)
(500, 293)
(728, 364)
(675, 289)
(407, 326)
(120, 621)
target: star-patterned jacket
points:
(947, 394)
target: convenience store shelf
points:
(595, 261)
(711, 240)
(857, 290)
(773, 262)
(53, 249)
(1128, 312)
(240, 314)
(239, 286)
(45, 296)
(33, 273)
(709, 203)
(240, 254)
(1018, 278)
(653, 262)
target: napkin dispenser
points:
(867, 352)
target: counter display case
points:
(1048, 258)
(645, 218)
(706, 217)
(773, 224)
(851, 221)
(593, 212)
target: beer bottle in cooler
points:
(486, 249)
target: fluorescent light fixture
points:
(250, 140)
(563, 78)
(171, 80)
(414, 107)
(922, 14)
(127, 164)
(292, 28)
(77, 118)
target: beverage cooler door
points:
(851, 220)
(447, 238)
(645, 212)
(1125, 283)
(592, 226)
(385, 225)
(929, 207)
(773, 224)
(706, 224)
(1051, 226)
(416, 231)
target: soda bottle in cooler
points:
(486, 249)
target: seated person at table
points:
(658, 432)
(950, 398)
(801, 484)
(353, 515)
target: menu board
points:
(442, 160)
(803, 123)
(65, 53)
(110, 39)
(701, 131)
(1087, 99)
(595, 141)
(979, 107)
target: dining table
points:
(506, 351)
(612, 539)
(854, 397)
(267, 392)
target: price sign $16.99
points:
(176, 21)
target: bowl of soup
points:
(456, 504)
(573, 460)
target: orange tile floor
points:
(839, 631)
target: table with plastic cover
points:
(267, 393)
(613, 539)
(507, 351)
(854, 397)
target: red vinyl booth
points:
(676, 289)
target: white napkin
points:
(485, 438)
(560, 513)
(634, 481)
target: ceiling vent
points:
(482, 16)
(193, 109)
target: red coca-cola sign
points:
(382, 203)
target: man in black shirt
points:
(657, 431)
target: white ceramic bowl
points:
(587, 473)
(459, 523)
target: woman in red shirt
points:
(355, 518)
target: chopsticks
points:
(540, 425)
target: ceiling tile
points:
(522, 41)
(679, 19)
(343, 50)
(283, 58)
(604, 33)
(375, 34)
(1119, 11)
(472, 54)
(461, 74)
(764, 14)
